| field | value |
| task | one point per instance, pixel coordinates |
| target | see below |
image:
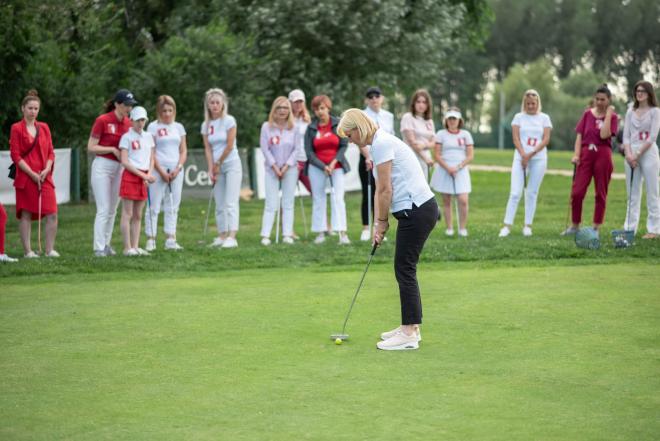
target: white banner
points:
(61, 177)
(352, 182)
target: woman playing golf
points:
(137, 157)
(454, 150)
(225, 169)
(593, 157)
(106, 168)
(531, 135)
(32, 151)
(640, 135)
(278, 141)
(171, 153)
(401, 189)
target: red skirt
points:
(27, 198)
(132, 187)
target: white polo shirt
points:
(168, 140)
(408, 183)
(139, 147)
(531, 131)
(217, 134)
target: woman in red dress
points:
(32, 151)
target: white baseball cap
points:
(296, 95)
(138, 113)
(453, 114)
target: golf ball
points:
(338, 341)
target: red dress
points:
(27, 191)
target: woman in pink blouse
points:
(418, 130)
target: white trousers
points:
(159, 192)
(227, 191)
(288, 182)
(648, 167)
(319, 180)
(105, 179)
(536, 168)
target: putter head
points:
(342, 337)
(587, 238)
(623, 238)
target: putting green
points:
(552, 353)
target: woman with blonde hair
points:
(278, 141)
(418, 130)
(401, 189)
(171, 153)
(531, 135)
(225, 169)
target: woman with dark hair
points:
(326, 162)
(106, 167)
(418, 130)
(593, 157)
(640, 135)
(32, 151)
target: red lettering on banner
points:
(112, 129)
(135, 145)
(162, 132)
(644, 136)
(532, 142)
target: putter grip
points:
(373, 249)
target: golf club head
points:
(342, 337)
(587, 238)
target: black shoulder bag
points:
(12, 167)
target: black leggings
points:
(414, 228)
(364, 175)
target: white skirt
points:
(442, 183)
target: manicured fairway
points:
(508, 353)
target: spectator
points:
(418, 130)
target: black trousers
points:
(414, 228)
(364, 176)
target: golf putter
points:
(279, 207)
(169, 187)
(151, 218)
(39, 223)
(343, 336)
(208, 212)
(302, 208)
(453, 183)
(369, 215)
(570, 199)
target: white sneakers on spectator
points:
(569, 231)
(151, 245)
(320, 238)
(6, 258)
(399, 342)
(142, 252)
(527, 231)
(170, 244)
(131, 252)
(31, 255)
(265, 241)
(365, 235)
(449, 232)
(217, 242)
(52, 253)
(505, 231)
(287, 240)
(393, 332)
(230, 242)
(343, 239)
(463, 233)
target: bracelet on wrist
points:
(383, 220)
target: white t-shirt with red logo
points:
(139, 146)
(217, 131)
(454, 145)
(168, 140)
(531, 132)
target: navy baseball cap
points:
(124, 96)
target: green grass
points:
(508, 354)
(524, 338)
(557, 159)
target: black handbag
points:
(12, 167)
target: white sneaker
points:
(100, 253)
(151, 245)
(365, 235)
(217, 242)
(399, 342)
(569, 231)
(392, 333)
(527, 231)
(53, 253)
(463, 233)
(142, 252)
(287, 240)
(6, 258)
(170, 244)
(31, 255)
(449, 232)
(343, 239)
(504, 232)
(230, 242)
(320, 238)
(109, 251)
(265, 241)
(131, 252)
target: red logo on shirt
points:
(112, 128)
(135, 145)
(162, 132)
(532, 142)
(275, 140)
(211, 130)
(429, 126)
(644, 136)
(599, 123)
(461, 142)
